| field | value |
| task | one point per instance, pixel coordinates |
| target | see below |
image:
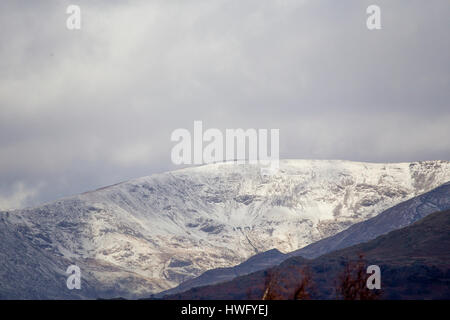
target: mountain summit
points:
(150, 234)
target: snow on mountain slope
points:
(396, 217)
(150, 234)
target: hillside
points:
(399, 216)
(150, 234)
(414, 263)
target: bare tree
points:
(306, 287)
(276, 288)
(271, 285)
(352, 284)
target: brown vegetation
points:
(352, 282)
(351, 286)
(274, 290)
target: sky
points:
(82, 109)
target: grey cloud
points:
(83, 109)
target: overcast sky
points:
(88, 108)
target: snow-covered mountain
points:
(150, 234)
(396, 217)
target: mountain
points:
(150, 234)
(414, 263)
(393, 218)
(257, 262)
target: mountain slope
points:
(414, 263)
(257, 262)
(150, 234)
(393, 218)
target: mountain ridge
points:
(149, 234)
(396, 217)
(414, 263)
